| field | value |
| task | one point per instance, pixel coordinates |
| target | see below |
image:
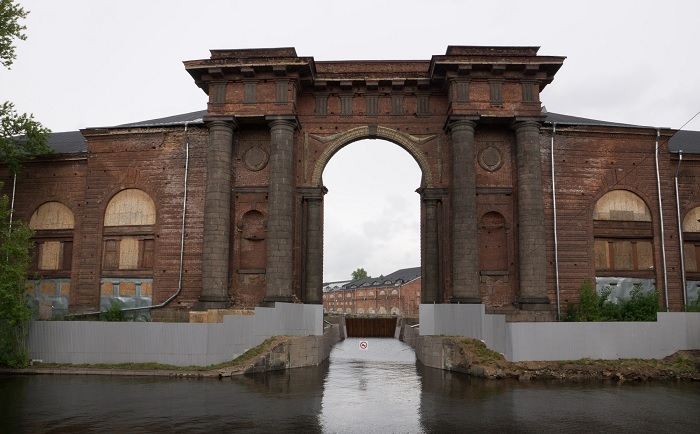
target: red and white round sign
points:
(364, 345)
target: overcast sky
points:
(99, 63)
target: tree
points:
(21, 139)
(360, 273)
(15, 256)
(10, 29)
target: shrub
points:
(594, 306)
(114, 313)
(693, 306)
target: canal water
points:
(376, 387)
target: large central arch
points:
(410, 143)
(275, 119)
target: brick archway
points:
(410, 143)
(275, 119)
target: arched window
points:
(128, 252)
(394, 292)
(382, 311)
(394, 310)
(360, 311)
(382, 293)
(53, 224)
(622, 233)
(348, 310)
(691, 252)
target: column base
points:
(465, 300)
(270, 301)
(209, 302)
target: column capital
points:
(312, 194)
(428, 195)
(214, 121)
(283, 121)
(527, 122)
(460, 122)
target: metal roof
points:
(190, 118)
(72, 142)
(404, 275)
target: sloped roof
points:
(72, 142)
(686, 141)
(190, 118)
(402, 276)
(69, 142)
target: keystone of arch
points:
(336, 141)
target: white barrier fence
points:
(178, 344)
(564, 340)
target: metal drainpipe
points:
(661, 216)
(182, 242)
(680, 230)
(554, 206)
(12, 204)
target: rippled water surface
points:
(380, 389)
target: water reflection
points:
(371, 390)
(381, 389)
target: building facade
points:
(397, 293)
(224, 206)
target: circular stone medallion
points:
(255, 158)
(490, 158)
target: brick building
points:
(224, 206)
(397, 293)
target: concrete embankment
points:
(472, 357)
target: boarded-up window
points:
(622, 236)
(691, 244)
(53, 223)
(129, 241)
(130, 207)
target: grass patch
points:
(482, 351)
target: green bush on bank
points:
(594, 306)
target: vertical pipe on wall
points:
(554, 207)
(680, 230)
(661, 216)
(182, 227)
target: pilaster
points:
(313, 257)
(430, 288)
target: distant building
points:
(397, 293)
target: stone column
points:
(465, 244)
(430, 290)
(313, 260)
(532, 260)
(217, 215)
(280, 209)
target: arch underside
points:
(410, 143)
